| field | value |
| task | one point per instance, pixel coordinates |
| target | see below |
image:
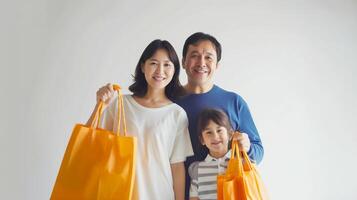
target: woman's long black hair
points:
(140, 86)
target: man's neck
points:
(197, 89)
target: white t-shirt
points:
(163, 139)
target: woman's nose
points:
(160, 68)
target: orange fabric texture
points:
(241, 180)
(98, 164)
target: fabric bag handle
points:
(242, 157)
(235, 154)
(121, 112)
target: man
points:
(201, 56)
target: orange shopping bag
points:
(241, 180)
(98, 164)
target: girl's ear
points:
(201, 140)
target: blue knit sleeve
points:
(246, 125)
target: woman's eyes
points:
(165, 64)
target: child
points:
(214, 132)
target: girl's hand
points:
(243, 140)
(105, 94)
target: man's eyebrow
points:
(209, 53)
(194, 51)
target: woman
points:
(159, 125)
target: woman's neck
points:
(153, 99)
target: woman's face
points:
(158, 70)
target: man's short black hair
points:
(198, 37)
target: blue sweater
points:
(237, 111)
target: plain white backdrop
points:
(294, 62)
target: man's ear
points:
(183, 63)
(218, 65)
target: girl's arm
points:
(178, 176)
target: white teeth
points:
(200, 71)
(158, 78)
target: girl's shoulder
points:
(193, 170)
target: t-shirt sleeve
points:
(193, 172)
(182, 147)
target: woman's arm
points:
(178, 176)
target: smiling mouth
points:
(158, 78)
(200, 71)
(216, 143)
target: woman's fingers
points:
(105, 93)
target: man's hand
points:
(243, 140)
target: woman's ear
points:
(142, 68)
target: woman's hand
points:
(243, 140)
(105, 94)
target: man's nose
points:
(201, 61)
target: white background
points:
(294, 62)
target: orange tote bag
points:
(241, 180)
(98, 164)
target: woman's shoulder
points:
(179, 111)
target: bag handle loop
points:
(241, 156)
(121, 112)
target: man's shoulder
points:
(227, 93)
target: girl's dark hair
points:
(139, 87)
(217, 116)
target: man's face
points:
(200, 63)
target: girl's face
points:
(158, 70)
(216, 138)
